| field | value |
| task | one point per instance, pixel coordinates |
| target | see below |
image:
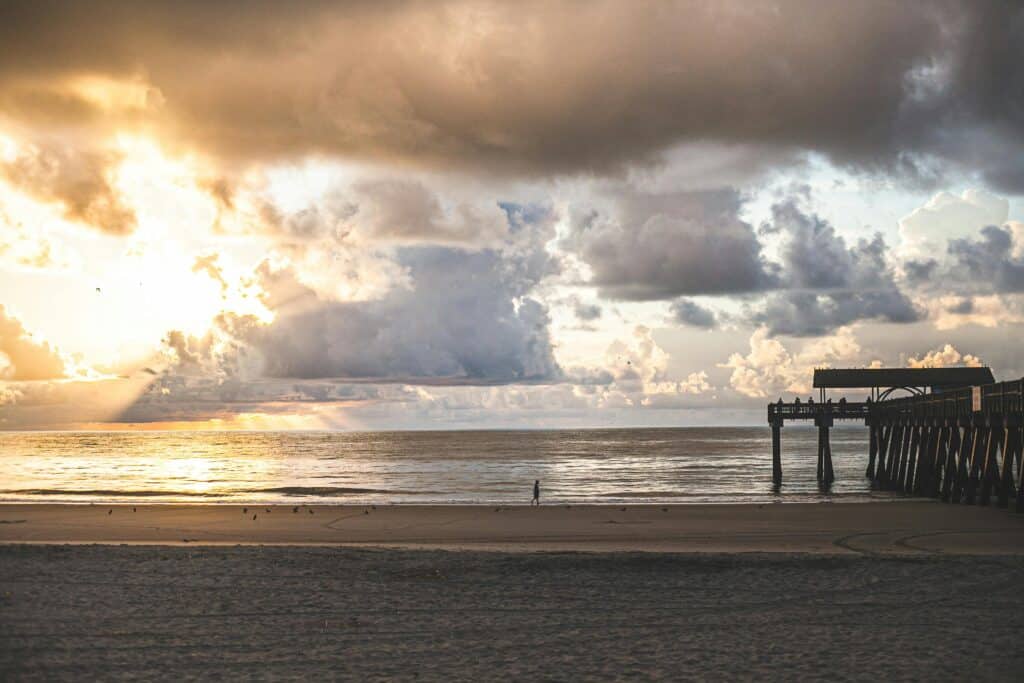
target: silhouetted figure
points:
(536, 493)
(796, 401)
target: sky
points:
(457, 215)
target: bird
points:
(134, 510)
(664, 509)
(295, 509)
(245, 511)
(110, 512)
(98, 290)
(366, 512)
(254, 517)
(268, 511)
(311, 512)
(622, 509)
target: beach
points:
(909, 527)
(906, 590)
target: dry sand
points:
(843, 592)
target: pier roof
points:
(935, 378)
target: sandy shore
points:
(890, 528)
(888, 591)
(325, 613)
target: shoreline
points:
(907, 527)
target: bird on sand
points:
(310, 512)
(254, 517)
(295, 509)
(134, 510)
(110, 512)
(245, 511)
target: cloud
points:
(585, 312)
(391, 210)
(75, 176)
(650, 247)
(530, 88)
(770, 369)
(828, 283)
(990, 261)
(925, 232)
(23, 358)
(691, 313)
(208, 263)
(943, 357)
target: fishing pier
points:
(954, 433)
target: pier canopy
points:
(915, 380)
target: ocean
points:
(685, 465)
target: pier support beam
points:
(872, 448)
(885, 434)
(777, 452)
(989, 468)
(950, 469)
(1010, 448)
(907, 472)
(826, 475)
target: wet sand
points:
(900, 591)
(891, 528)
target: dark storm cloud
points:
(660, 246)
(466, 318)
(534, 87)
(828, 283)
(809, 314)
(691, 313)
(988, 263)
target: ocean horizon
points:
(575, 466)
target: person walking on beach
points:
(536, 492)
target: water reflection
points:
(629, 465)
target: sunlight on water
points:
(628, 465)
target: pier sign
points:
(976, 399)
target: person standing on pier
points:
(536, 492)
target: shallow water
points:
(686, 465)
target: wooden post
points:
(826, 475)
(830, 475)
(989, 470)
(907, 473)
(885, 432)
(1019, 507)
(777, 451)
(872, 448)
(949, 471)
(1010, 446)
(821, 454)
(963, 464)
(980, 442)
(894, 455)
(901, 466)
(938, 460)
